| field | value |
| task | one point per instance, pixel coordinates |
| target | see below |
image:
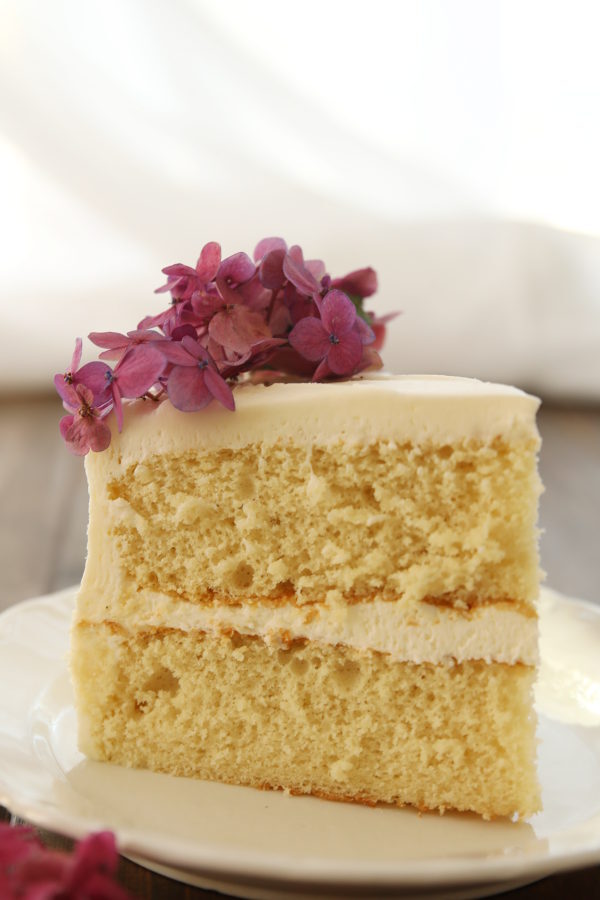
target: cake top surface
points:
(416, 408)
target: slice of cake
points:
(330, 591)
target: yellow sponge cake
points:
(331, 591)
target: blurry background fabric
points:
(452, 146)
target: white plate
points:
(268, 845)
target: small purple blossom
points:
(91, 375)
(194, 380)
(333, 340)
(182, 280)
(84, 428)
(133, 376)
(237, 328)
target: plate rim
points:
(247, 867)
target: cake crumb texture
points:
(309, 718)
(454, 521)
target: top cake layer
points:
(420, 409)
(400, 488)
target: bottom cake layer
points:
(310, 718)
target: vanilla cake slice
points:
(331, 591)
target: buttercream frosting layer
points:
(422, 634)
(417, 408)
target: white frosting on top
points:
(425, 634)
(416, 408)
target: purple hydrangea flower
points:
(194, 380)
(29, 871)
(182, 280)
(84, 428)
(183, 283)
(271, 317)
(334, 340)
(133, 375)
(91, 376)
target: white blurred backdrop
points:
(454, 146)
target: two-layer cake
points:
(331, 590)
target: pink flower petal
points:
(322, 371)
(361, 282)
(175, 353)
(159, 319)
(219, 388)
(95, 376)
(254, 294)
(112, 355)
(236, 269)
(76, 359)
(179, 270)
(182, 331)
(367, 335)
(370, 360)
(66, 391)
(194, 348)
(110, 340)
(208, 262)
(237, 328)
(97, 852)
(296, 272)
(65, 424)
(299, 305)
(310, 339)
(316, 267)
(229, 295)
(85, 433)
(271, 269)
(17, 842)
(99, 435)
(205, 304)
(279, 318)
(187, 390)
(118, 406)
(338, 313)
(267, 245)
(139, 370)
(85, 394)
(343, 358)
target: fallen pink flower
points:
(29, 871)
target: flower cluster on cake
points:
(277, 316)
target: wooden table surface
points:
(43, 503)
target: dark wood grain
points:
(43, 503)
